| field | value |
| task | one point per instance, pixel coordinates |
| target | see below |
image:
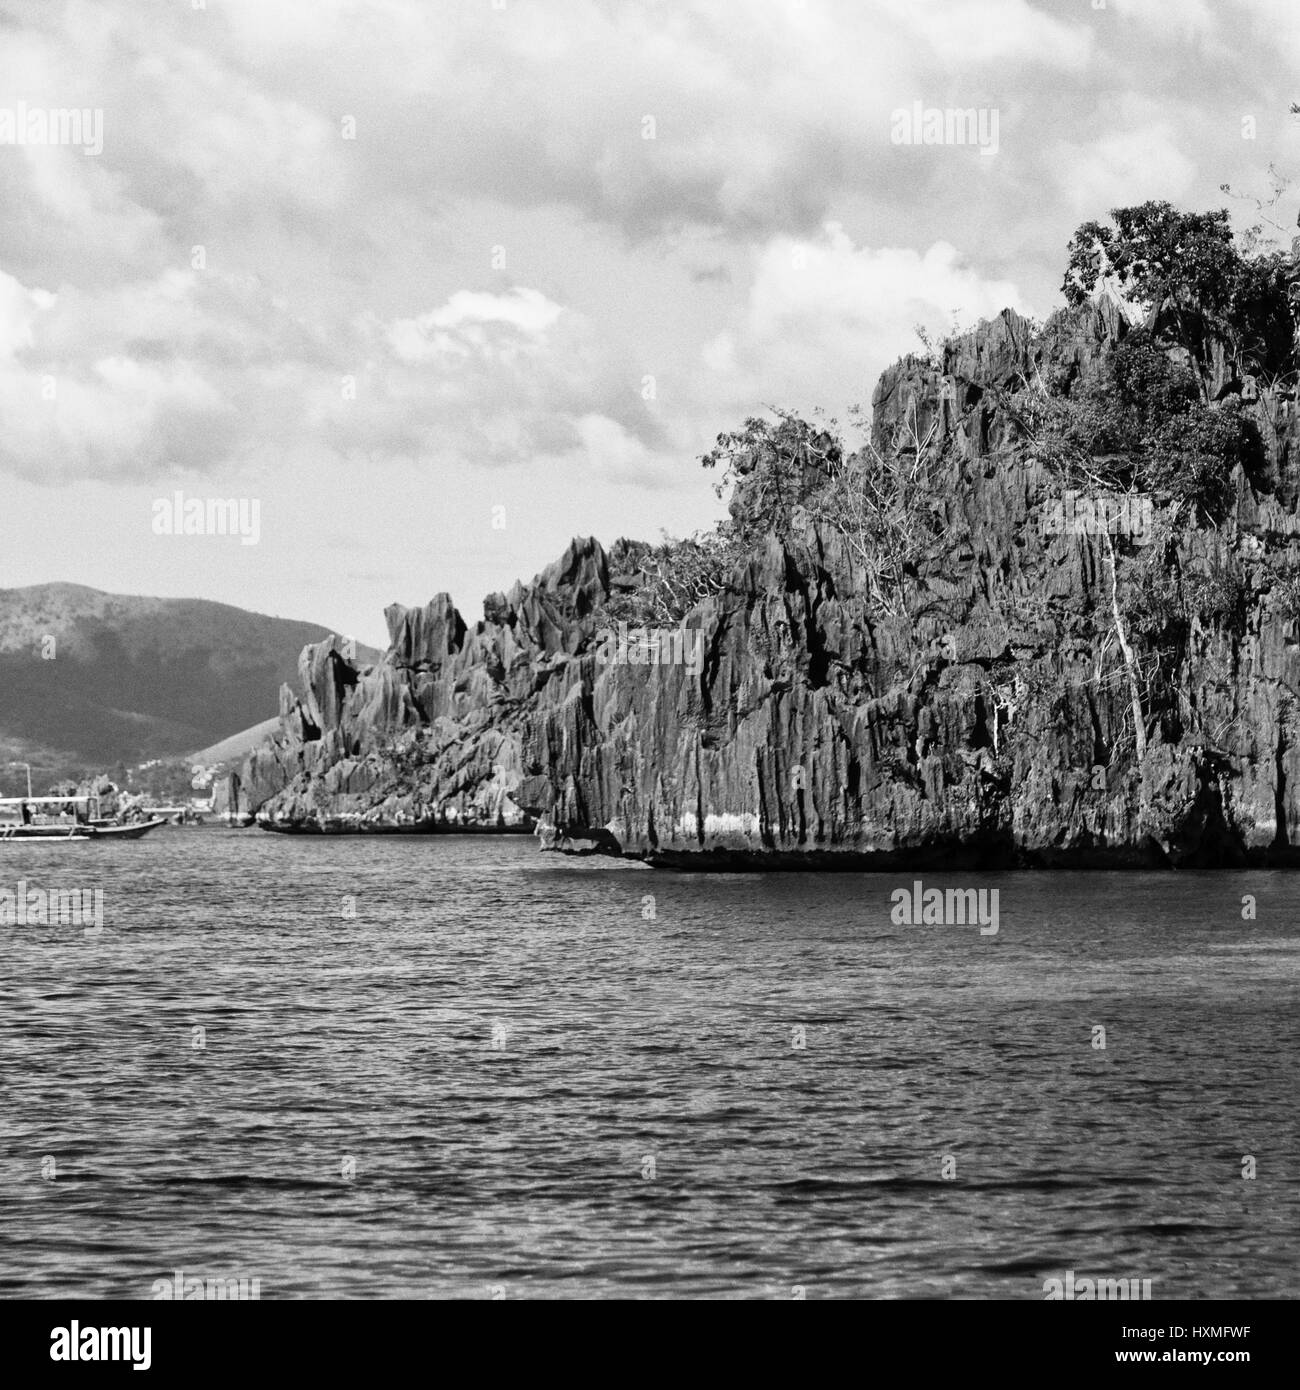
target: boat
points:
(174, 815)
(21, 819)
(357, 825)
(55, 834)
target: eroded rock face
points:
(990, 723)
(432, 734)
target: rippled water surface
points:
(548, 1090)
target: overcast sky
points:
(444, 270)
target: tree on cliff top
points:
(772, 468)
(1141, 425)
(884, 506)
(1185, 268)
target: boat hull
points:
(64, 834)
(124, 832)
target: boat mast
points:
(28, 766)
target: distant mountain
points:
(238, 746)
(89, 680)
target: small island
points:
(1043, 612)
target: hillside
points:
(127, 679)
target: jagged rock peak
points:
(424, 636)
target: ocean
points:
(454, 1067)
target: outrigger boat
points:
(32, 824)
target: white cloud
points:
(1129, 166)
(1185, 18)
(615, 454)
(501, 325)
(824, 317)
(995, 31)
(122, 416)
(528, 310)
(19, 308)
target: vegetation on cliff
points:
(1164, 417)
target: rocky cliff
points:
(988, 719)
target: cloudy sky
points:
(442, 283)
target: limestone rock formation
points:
(989, 723)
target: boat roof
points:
(43, 800)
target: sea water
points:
(395, 1067)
